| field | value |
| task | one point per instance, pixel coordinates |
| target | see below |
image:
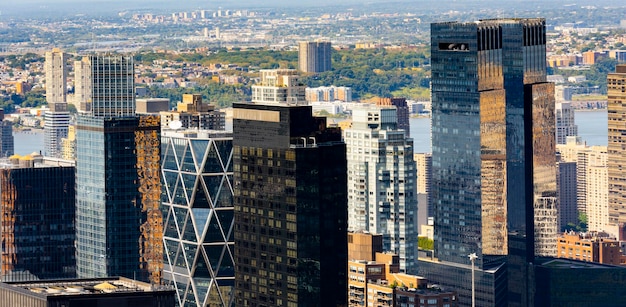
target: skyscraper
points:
(616, 84)
(382, 197)
(402, 111)
(290, 207)
(37, 202)
(198, 205)
(493, 150)
(314, 56)
(424, 165)
(118, 186)
(565, 124)
(7, 144)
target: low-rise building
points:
(589, 247)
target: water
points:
(592, 127)
(27, 142)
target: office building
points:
(198, 204)
(616, 84)
(494, 167)
(118, 187)
(402, 110)
(381, 182)
(193, 114)
(7, 144)
(82, 84)
(314, 57)
(565, 282)
(565, 124)
(107, 292)
(590, 247)
(279, 86)
(152, 105)
(37, 202)
(290, 181)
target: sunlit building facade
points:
(57, 118)
(494, 167)
(314, 56)
(616, 84)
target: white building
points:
(565, 124)
(382, 196)
(57, 118)
(279, 86)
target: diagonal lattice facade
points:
(197, 201)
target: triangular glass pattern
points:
(226, 287)
(202, 288)
(190, 233)
(171, 247)
(170, 178)
(225, 199)
(202, 267)
(227, 267)
(201, 200)
(180, 258)
(181, 216)
(188, 164)
(190, 253)
(226, 220)
(214, 295)
(169, 159)
(179, 148)
(178, 196)
(200, 217)
(170, 228)
(213, 185)
(190, 298)
(228, 165)
(199, 149)
(214, 232)
(189, 181)
(212, 163)
(225, 148)
(181, 287)
(214, 252)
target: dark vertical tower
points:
(37, 220)
(118, 187)
(290, 208)
(493, 146)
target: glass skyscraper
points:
(290, 207)
(118, 187)
(494, 176)
(197, 205)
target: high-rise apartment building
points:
(424, 165)
(494, 167)
(7, 144)
(37, 202)
(193, 114)
(290, 189)
(68, 144)
(279, 86)
(402, 110)
(82, 84)
(197, 200)
(118, 187)
(56, 76)
(565, 124)
(56, 127)
(616, 84)
(314, 56)
(381, 182)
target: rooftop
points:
(86, 286)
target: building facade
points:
(290, 206)
(37, 207)
(424, 166)
(118, 183)
(382, 196)
(279, 86)
(314, 56)
(402, 109)
(565, 124)
(590, 247)
(193, 114)
(616, 84)
(494, 168)
(7, 144)
(57, 118)
(56, 127)
(197, 203)
(567, 187)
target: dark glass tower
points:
(118, 185)
(290, 208)
(493, 146)
(37, 219)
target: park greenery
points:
(424, 243)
